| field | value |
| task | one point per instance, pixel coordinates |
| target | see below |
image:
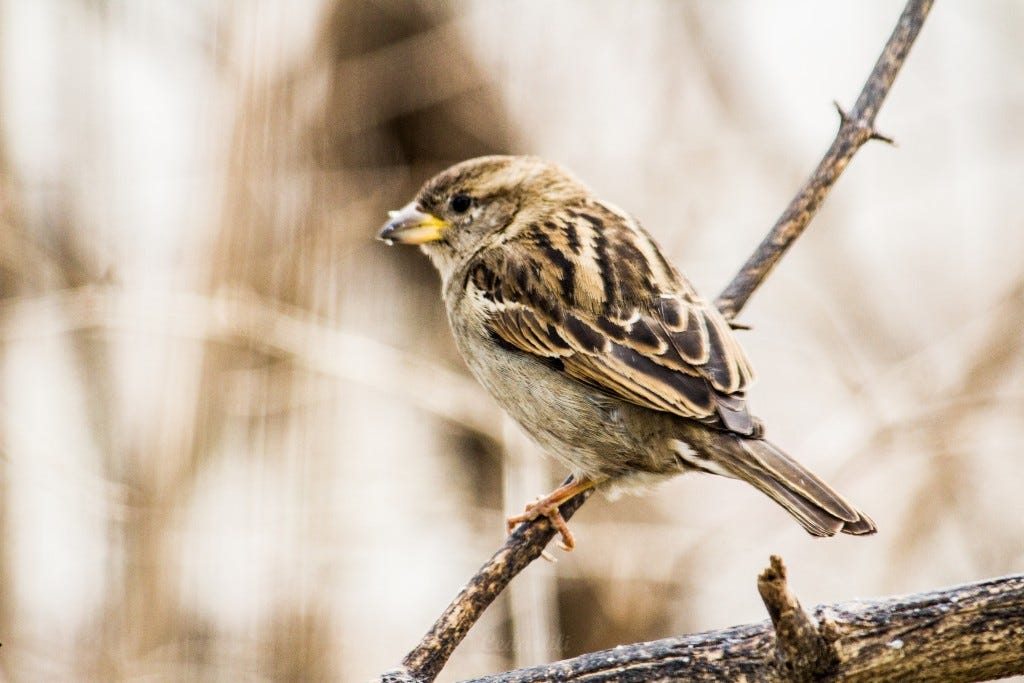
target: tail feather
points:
(819, 509)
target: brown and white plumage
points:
(614, 315)
(567, 311)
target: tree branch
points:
(528, 541)
(856, 128)
(801, 653)
(523, 546)
(966, 633)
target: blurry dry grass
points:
(230, 417)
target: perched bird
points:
(566, 310)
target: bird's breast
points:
(590, 432)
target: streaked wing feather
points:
(644, 335)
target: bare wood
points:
(527, 543)
(856, 128)
(523, 546)
(973, 632)
(801, 653)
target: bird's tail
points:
(819, 509)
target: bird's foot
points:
(546, 507)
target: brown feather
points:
(819, 509)
(642, 335)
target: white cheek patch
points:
(691, 458)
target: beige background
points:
(237, 442)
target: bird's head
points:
(473, 204)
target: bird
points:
(566, 310)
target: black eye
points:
(460, 202)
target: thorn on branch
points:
(844, 117)
(860, 123)
(875, 135)
(801, 652)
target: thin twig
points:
(528, 542)
(523, 546)
(856, 128)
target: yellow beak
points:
(410, 225)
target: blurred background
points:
(237, 441)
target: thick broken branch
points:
(966, 633)
(527, 543)
(801, 653)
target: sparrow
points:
(567, 311)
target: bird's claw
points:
(544, 508)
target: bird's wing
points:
(592, 293)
